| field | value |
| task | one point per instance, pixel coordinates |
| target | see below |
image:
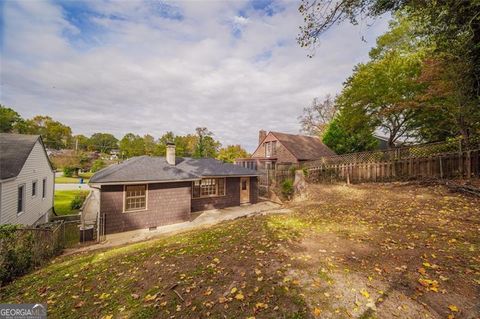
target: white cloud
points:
(139, 69)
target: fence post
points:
(460, 158)
(468, 164)
(441, 167)
(268, 181)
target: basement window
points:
(208, 187)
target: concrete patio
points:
(198, 220)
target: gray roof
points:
(204, 167)
(149, 168)
(14, 151)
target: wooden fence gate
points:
(271, 178)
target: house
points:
(277, 148)
(114, 154)
(148, 191)
(27, 180)
(382, 142)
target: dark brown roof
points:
(304, 147)
(14, 151)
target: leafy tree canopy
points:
(350, 131)
(102, 142)
(132, 145)
(9, 119)
(206, 145)
(231, 152)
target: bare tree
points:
(315, 118)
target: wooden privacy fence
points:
(438, 160)
(49, 239)
(270, 178)
(22, 249)
(449, 165)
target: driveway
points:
(197, 220)
(65, 187)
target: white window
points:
(268, 149)
(21, 199)
(135, 197)
(209, 187)
(44, 187)
(34, 188)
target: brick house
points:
(277, 148)
(147, 191)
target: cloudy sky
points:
(151, 66)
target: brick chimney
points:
(170, 156)
(261, 136)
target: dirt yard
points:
(366, 251)
(390, 251)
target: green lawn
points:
(73, 180)
(63, 200)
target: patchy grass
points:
(62, 201)
(219, 271)
(406, 252)
(73, 180)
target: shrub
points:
(292, 170)
(68, 171)
(77, 201)
(98, 165)
(16, 252)
(287, 188)
(305, 171)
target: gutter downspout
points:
(99, 205)
(53, 198)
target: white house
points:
(27, 180)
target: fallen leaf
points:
(150, 297)
(453, 308)
(365, 293)
(104, 296)
(261, 305)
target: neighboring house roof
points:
(150, 168)
(14, 151)
(303, 147)
(383, 142)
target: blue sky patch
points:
(264, 56)
(166, 10)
